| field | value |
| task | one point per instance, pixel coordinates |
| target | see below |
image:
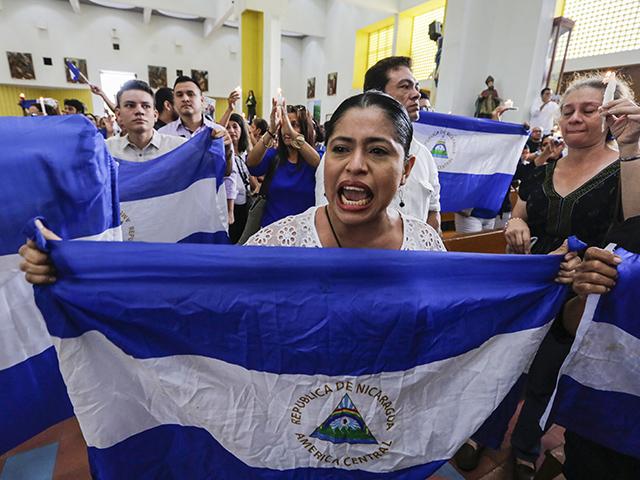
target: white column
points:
(506, 39)
(271, 56)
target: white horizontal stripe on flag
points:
(23, 332)
(110, 235)
(170, 218)
(245, 409)
(471, 152)
(597, 362)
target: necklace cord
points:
(335, 236)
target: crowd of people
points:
(364, 181)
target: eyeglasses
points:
(295, 108)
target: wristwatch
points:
(298, 142)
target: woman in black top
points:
(251, 104)
(575, 195)
(585, 458)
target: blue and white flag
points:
(58, 167)
(74, 71)
(212, 361)
(178, 197)
(598, 391)
(476, 158)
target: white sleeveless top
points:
(300, 231)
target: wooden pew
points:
(483, 242)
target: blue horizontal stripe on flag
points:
(33, 398)
(218, 238)
(191, 452)
(168, 173)
(609, 418)
(281, 311)
(621, 303)
(471, 124)
(57, 167)
(485, 192)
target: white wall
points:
(89, 36)
(334, 52)
(630, 57)
(305, 16)
(502, 38)
(293, 84)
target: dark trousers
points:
(586, 459)
(541, 383)
(240, 213)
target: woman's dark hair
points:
(75, 103)
(243, 141)
(306, 128)
(319, 129)
(47, 108)
(393, 110)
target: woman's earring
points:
(401, 196)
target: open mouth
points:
(354, 197)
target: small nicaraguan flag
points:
(598, 391)
(182, 361)
(178, 197)
(74, 71)
(57, 166)
(476, 158)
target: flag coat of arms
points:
(212, 361)
(59, 167)
(476, 158)
(598, 391)
(177, 197)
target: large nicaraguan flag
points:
(476, 158)
(213, 361)
(177, 197)
(598, 391)
(58, 167)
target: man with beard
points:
(189, 104)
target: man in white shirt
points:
(545, 112)
(420, 196)
(189, 103)
(136, 112)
